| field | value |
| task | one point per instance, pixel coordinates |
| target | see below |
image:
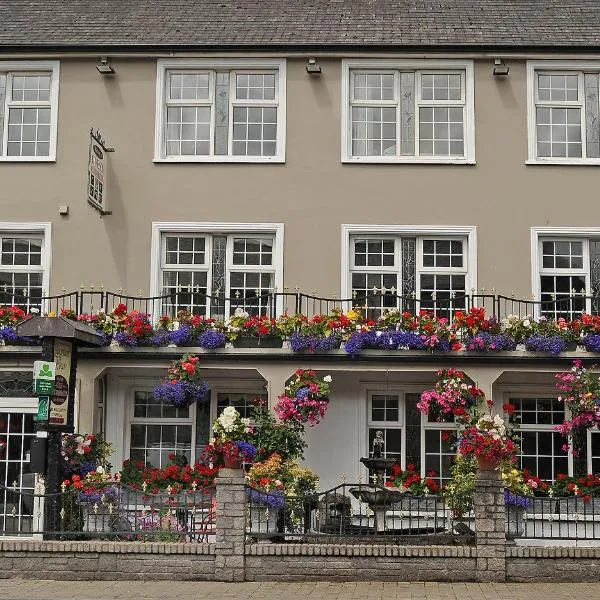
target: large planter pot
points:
(263, 519)
(232, 463)
(515, 523)
(485, 464)
(97, 518)
(258, 342)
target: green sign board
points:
(43, 407)
(44, 373)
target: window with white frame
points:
(400, 111)
(215, 273)
(28, 110)
(563, 111)
(158, 430)
(542, 451)
(22, 268)
(438, 447)
(569, 275)
(386, 414)
(221, 111)
(431, 269)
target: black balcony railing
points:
(273, 304)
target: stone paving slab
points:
(20, 589)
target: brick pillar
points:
(490, 523)
(230, 526)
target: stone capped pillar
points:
(490, 524)
(230, 525)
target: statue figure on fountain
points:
(378, 445)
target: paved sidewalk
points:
(21, 589)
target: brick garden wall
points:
(231, 559)
(91, 560)
(106, 560)
(301, 562)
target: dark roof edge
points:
(162, 48)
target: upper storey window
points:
(399, 111)
(226, 111)
(563, 112)
(28, 110)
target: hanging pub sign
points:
(98, 173)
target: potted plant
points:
(246, 331)
(420, 492)
(487, 440)
(83, 453)
(229, 447)
(98, 496)
(305, 399)
(183, 385)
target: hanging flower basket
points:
(305, 399)
(184, 385)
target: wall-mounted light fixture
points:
(104, 67)
(500, 68)
(313, 67)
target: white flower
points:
(99, 469)
(327, 379)
(240, 312)
(526, 323)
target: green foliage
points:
(273, 436)
(459, 493)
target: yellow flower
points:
(352, 315)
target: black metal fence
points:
(571, 518)
(354, 511)
(360, 512)
(116, 512)
(273, 304)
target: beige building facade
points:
(413, 171)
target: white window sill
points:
(46, 159)
(586, 162)
(220, 159)
(408, 161)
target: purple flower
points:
(273, 500)
(181, 393)
(487, 342)
(211, 339)
(313, 343)
(247, 450)
(592, 343)
(109, 494)
(160, 338)
(125, 339)
(512, 499)
(181, 336)
(553, 344)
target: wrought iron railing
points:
(353, 511)
(273, 304)
(571, 518)
(116, 512)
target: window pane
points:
(559, 132)
(189, 86)
(188, 130)
(251, 291)
(254, 131)
(31, 88)
(442, 253)
(441, 131)
(374, 253)
(252, 251)
(253, 86)
(373, 131)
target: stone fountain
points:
(378, 497)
